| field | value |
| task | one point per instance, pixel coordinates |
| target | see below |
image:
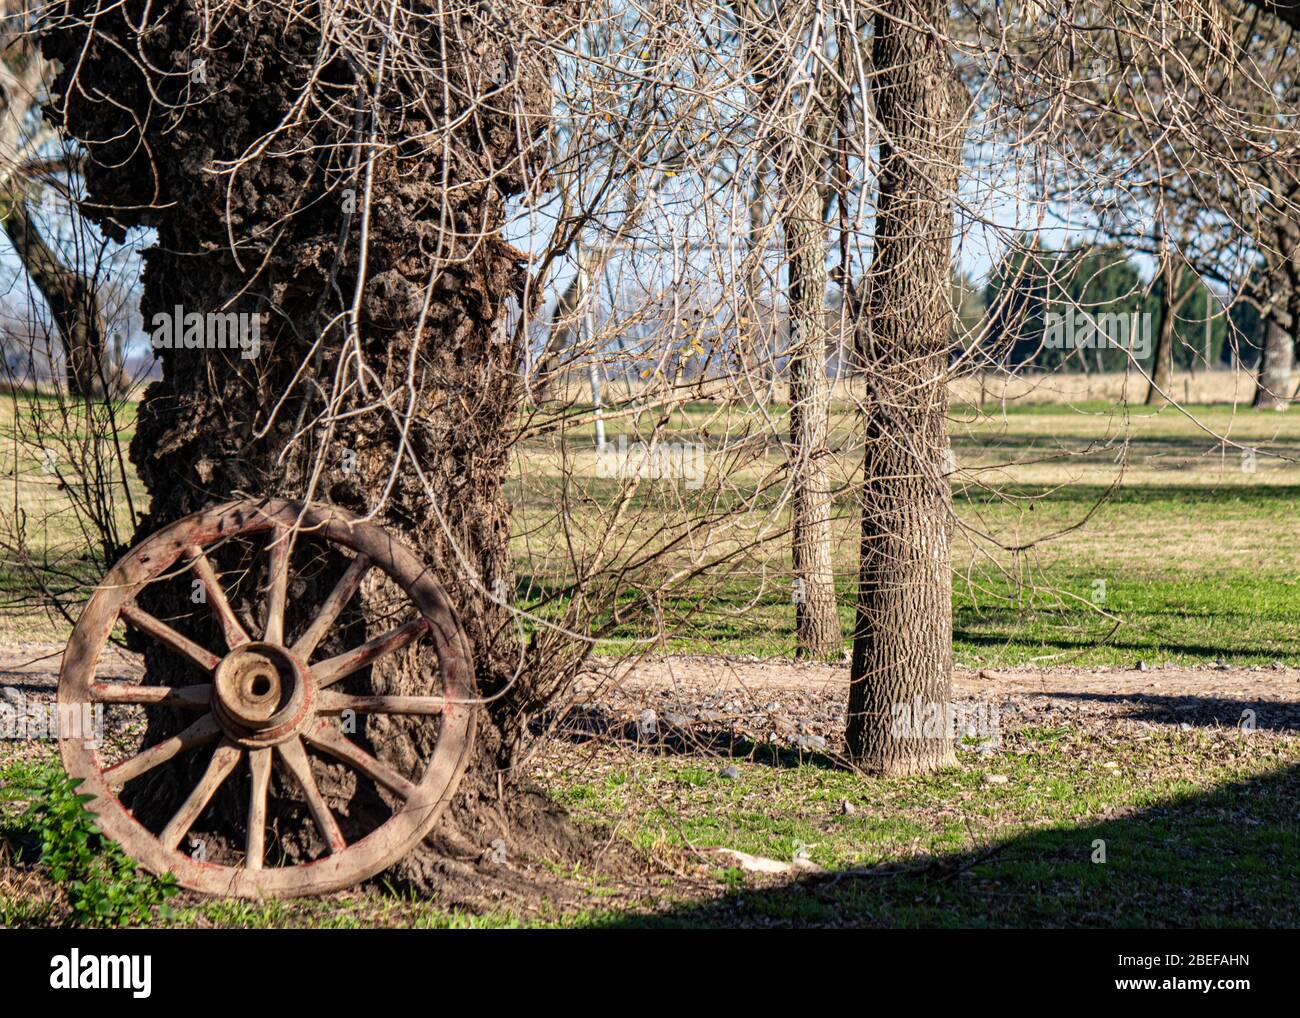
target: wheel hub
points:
(261, 694)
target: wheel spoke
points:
(330, 609)
(259, 765)
(229, 621)
(278, 586)
(222, 763)
(295, 758)
(185, 697)
(202, 731)
(336, 703)
(332, 669)
(164, 633)
(328, 738)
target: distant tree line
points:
(1035, 291)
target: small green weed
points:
(104, 886)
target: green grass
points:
(1089, 534)
(1200, 829)
(376, 909)
(1189, 575)
(1230, 592)
(1190, 560)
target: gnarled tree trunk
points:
(433, 278)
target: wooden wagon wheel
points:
(267, 701)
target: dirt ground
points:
(733, 706)
(32, 668)
(1258, 683)
(801, 706)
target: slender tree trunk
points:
(211, 428)
(817, 625)
(756, 354)
(69, 295)
(1293, 314)
(760, 333)
(1276, 360)
(902, 648)
(1162, 363)
(795, 108)
(566, 322)
(563, 326)
(556, 355)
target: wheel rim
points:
(264, 701)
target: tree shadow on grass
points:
(589, 722)
(1198, 711)
(1226, 858)
(1154, 648)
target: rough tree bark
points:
(206, 431)
(817, 625)
(902, 647)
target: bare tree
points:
(1164, 109)
(785, 51)
(902, 650)
(69, 292)
(358, 190)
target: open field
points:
(1087, 533)
(63, 472)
